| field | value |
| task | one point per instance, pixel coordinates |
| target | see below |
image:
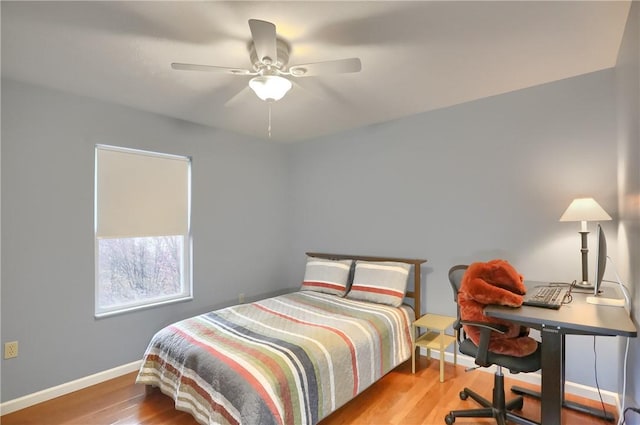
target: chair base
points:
(602, 414)
(498, 409)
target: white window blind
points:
(141, 193)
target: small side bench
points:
(434, 338)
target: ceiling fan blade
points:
(210, 68)
(264, 40)
(340, 66)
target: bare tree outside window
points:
(136, 269)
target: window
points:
(142, 237)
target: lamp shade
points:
(585, 209)
(270, 87)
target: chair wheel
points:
(463, 395)
(518, 406)
(449, 419)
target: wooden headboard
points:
(414, 294)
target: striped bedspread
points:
(291, 359)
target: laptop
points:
(546, 296)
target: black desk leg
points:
(603, 414)
(562, 364)
(552, 374)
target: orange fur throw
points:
(495, 282)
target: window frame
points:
(187, 246)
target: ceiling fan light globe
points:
(270, 87)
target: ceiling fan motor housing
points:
(282, 49)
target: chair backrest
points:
(455, 279)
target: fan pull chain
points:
(269, 127)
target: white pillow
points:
(327, 276)
(383, 282)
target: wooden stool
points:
(435, 339)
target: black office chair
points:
(498, 408)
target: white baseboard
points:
(69, 387)
(57, 391)
(573, 388)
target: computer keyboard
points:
(546, 297)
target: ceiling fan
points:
(270, 56)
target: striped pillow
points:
(383, 282)
(328, 276)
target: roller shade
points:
(140, 193)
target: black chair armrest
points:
(495, 327)
(485, 336)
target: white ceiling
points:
(416, 56)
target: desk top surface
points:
(575, 317)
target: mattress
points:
(291, 359)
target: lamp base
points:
(584, 285)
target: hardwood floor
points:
(399, 398)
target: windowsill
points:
(142, 307)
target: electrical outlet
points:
(241, 297)
(10, 349)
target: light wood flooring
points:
(398, 398)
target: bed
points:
(295, 358)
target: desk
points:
(578, 318)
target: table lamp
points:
(583, 210)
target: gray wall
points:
(48, 138)
(476, 181)
(472, 182)
(628, 111)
